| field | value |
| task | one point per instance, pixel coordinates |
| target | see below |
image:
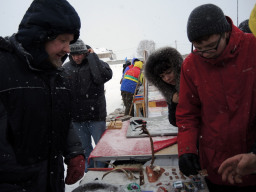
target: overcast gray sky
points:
(120, 25)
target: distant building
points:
(105, 54)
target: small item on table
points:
(134, 187)
(154, 173)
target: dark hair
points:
(161, 67)
(206, 37)
(158, 62)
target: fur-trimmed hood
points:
(158, 62)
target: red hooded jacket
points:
(217, 104)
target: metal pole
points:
(237, 12)
(145, 83)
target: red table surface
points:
(114, 143)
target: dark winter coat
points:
(126, 64)
(34, 119)
(217, 105)
(157, 63)
(35, 101)
(88, 78)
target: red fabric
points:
(159, 145)
(115, 144)
(76, 168)
(217, 104)
(134, 72)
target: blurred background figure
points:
(252, 21)
(131, 81)
(88, 75)
(244, 26)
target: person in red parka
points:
(216, 114)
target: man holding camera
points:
(88, 75)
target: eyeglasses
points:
(196, 52)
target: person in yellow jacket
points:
(252, 21)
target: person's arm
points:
(73, 145)
(74, 157)
(188, 121)
(172, 108)
(126, 69)
(141, 77)
(171, 113)
(100, 71)
(233, 168)
(188, 112)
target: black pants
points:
(226, 188)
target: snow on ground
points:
(112, 87)
(113, 99)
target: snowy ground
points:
(113, 98)
(112, 87)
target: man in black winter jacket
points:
(88, 75)
(35, 122)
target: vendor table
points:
(114, 145)
(166, 181)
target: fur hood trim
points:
(158, 62)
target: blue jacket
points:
(131, 78)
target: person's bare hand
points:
(175, 98)
(233, 168)
(90, 50)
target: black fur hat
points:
(158, 62)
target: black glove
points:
(189, 164)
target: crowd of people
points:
(50, 110)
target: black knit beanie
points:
(205, 20)
(78, 47)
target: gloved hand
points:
(76, 168)
(189, 164)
